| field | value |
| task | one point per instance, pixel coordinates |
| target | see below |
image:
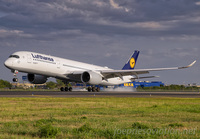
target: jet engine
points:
(36, 79)
(91, 77)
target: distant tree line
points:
(49, 85)
(5, 84)
(59, 83)
(52, 85)
(170, 88)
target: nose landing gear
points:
(15, 79)
(15, 72)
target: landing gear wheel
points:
(66, 89)
(93, 89)
(70, 89)
(89, 89)
(97, 89)
(15, 80)
(62, 89)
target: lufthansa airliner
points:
(39, 67)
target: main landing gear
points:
(66, 89)
(93, 89)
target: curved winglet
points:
(188, 65)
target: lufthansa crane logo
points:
(132, 62)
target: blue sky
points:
(106, 32)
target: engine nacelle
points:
(36, 79)
(91, 77)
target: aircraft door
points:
(58, 64)
(29, 60)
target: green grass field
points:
(99, 118)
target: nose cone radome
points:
(8, 63)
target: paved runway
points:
(100, 94)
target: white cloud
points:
(116, 6)
(197, 3)
(139, 25)
(99, 3)
(150, 25)
(181, 38)
(8, 33)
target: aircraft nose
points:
(8, 63)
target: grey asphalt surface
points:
(100, 94)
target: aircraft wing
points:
(119, 73)
(76, 75)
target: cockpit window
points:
(15, 56)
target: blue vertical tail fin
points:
(132, 61)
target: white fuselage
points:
(50, 66)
